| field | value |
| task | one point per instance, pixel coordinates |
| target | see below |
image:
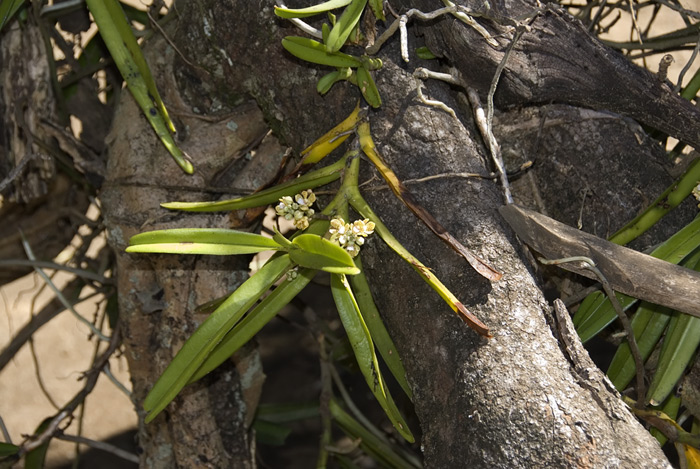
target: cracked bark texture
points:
(208, 424)
(511, 401)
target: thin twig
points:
(5, 433)
(37, 374)
(460, 12)
(108, 372)
(632, 342)
(59, 294)
(686, 67)
(54, 266)
(52, 427)
(101, 445)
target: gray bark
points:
(511, 401)
(207, 425)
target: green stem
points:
(669, 200)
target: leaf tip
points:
(472, 321)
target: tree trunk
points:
(207, 425)
(511, 401)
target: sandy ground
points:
(63, 353)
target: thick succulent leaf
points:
(315, 52)
(345, 25)
(402, 192)
(315, 252)
(377, 7)
(363, 208)
(368, 88)
(332, 139)
(380, 449)
(596, 311)
(312, 10)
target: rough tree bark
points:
(512, 401)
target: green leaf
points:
(363, 347)
(7, 449)
(648, 323)
(312, 10)
(425, 53)
(315, 52)
(377, 7)
(196, 351)
(596, 312)
(379, 450)
(36, 458)
(8, 8)
(254, 321)
(214, 241)
(380, 336)
(327, 81)
(363, 208)
(315, 252)
(310, 180)
(126, 53)
(345, 25)
(679, 348)
(271, 434)
(368, 87)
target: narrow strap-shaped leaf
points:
(345, 25)
(398, 188)
(679, 348)
(120, 20)
(315, 252)
(596, 311)
(378, 448)
(648, 323)
(120, 41)
(363, 208)
(375, 325)
(254, 321)
(310, 180)
(198, 348)
(312, 10)
(214, 241)
(8, 8)
(363, 347)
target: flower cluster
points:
(297, 209)
(696, 193)
(350, 236)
